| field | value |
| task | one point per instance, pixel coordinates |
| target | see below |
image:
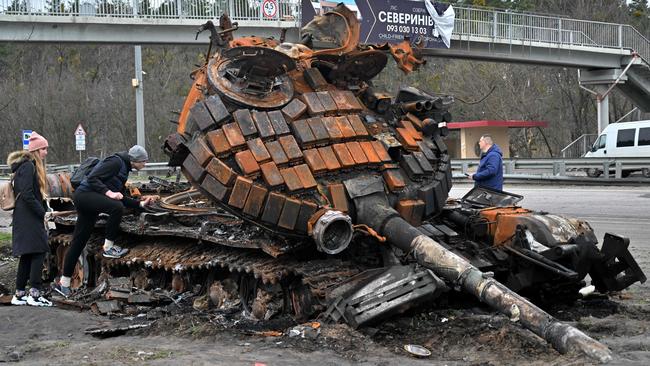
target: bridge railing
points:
(287, 10)
(498, 25)
(508, 26)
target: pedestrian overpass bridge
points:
(608, 55)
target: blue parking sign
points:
(26, 135)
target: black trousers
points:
(89, 205)
(30, 266)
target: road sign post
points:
(80, 140)
(26, 135)
(270, 9)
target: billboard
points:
(392, 20)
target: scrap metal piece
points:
(616, 269)
(385, 292)
(417, 350)
(106, 307)
(114, 331)
(339, 26)
(253, 76)
(408, 59)
(358, 66)
(373, 210)
(486, 197)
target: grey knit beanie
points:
(137, 153)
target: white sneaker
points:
(115, 252)
(19, 301)
(40, 301)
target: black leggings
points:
(30, 266)
(89, 205)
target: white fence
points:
(287, 10)
(508, 26)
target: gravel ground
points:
(468, 334)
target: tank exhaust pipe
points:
(373, 210)
(332, 231)
(413, 107)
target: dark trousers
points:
(30, 266)
(89, 205)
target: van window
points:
(644, 136)
(625, 138)
(600, 144)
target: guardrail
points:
(560, 167)
(287, 10)
(556, 167)
(149, 167)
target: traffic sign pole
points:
(80, 140)
(26, 135)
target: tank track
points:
(306, 283)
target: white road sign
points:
(80, 138)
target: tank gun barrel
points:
(373, 210)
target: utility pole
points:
(139, 97)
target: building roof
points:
(489, 123)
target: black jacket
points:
(28, 227)
(110, 174)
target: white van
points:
(622, 140)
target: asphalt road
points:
(618, 210)
(622, 210)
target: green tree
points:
(17, 7)
(55, 6)
(639, 8)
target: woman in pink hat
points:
(29, 237)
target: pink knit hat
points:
(36, 142)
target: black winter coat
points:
(28, 229)
(110, 174)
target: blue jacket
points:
(490, 169)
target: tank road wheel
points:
(83, 271)
(645, 172)
(303, 302)
(261, 300)
(594, 173)
(50, 269)
(247, 292)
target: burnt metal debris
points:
(314, 193)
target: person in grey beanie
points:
(102, 191)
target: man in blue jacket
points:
(490, 168)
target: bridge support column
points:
(602, 102)
(139, 97)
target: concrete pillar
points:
(602, 106)
(139, 98)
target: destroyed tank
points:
(315, 194)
